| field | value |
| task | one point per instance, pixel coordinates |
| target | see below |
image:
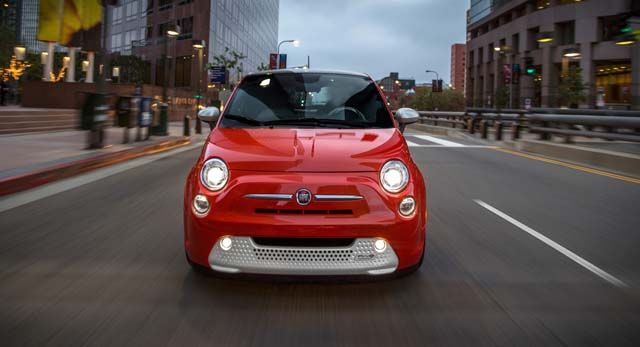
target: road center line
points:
(576, 258)
(439, 141)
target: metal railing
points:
(603, 124)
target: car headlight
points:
(394, 176)
(214, 174)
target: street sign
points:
(506, 73)
(273, 61)
(283, 61)
(217, 74)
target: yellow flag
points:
(60, 19)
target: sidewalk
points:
(29, 160)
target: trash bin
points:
(123, 111)
(144, 117)
(88, 111)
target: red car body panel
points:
(324, 161)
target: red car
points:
(306, 173)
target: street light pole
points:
(172, 31)
(199, 46)
(433, 106)
(296, 43)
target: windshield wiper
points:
(244, 120)
(319, 122)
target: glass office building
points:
(247, 26)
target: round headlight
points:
(394, 176)
(214, 174)
(201, 204)
(407, 206)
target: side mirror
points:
(406, 116)
(209, 115)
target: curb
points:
(18, 183)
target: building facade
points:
(546, 40)
(458, 63)
(138, 27)
(27, 25)
(395, 89)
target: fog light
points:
(380, 245)
(407, 206)
(201, 204)
(226, 243)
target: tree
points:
(133, 69)
(230, 60)
(448, 100)
(263, 67)
(502, 97)
(571, 88)
(7, 43)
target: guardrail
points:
(603, 124)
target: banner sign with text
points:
(506, 73)
(217, 74)
(273, 61)
(283, 61)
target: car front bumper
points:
(359, 258)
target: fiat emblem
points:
(303, 197)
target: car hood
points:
(306, 150)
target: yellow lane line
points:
(572, 166)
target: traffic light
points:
(530, 69)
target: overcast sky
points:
(374, 36)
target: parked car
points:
(306, 173)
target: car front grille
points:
(358, 258)
(303, 212)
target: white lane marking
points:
(448, 147)
(576, 258)
(18, 199)
(412, 144)
(439, 141)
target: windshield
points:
(307, 100)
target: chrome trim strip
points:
(321, 197)
(269, 196)
(360, 258)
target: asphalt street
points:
(103, 264)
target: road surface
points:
(520, 252)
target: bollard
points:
(545, 136)
(125, 138)
(498, 128)
(484, 129)
(515, 132)
(186, 127)
(471, 125)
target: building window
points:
(182, 2)
(132, 10)
(566, 33)
(186, 28)
(116, 42)
(515, 43)
(183, 71)
(116, 15)
(165, 5)
(147, 6)
(148, 33)
(160, 71)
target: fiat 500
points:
(306, 173)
